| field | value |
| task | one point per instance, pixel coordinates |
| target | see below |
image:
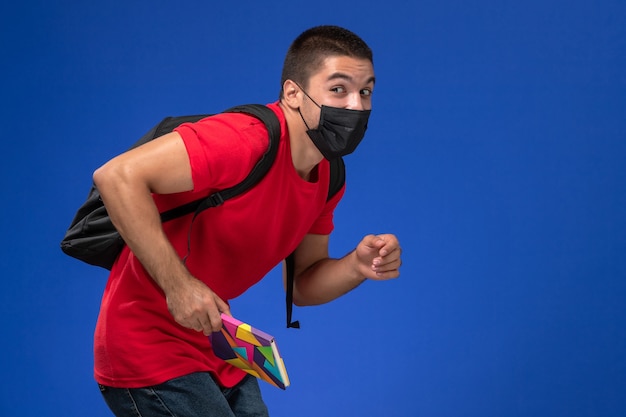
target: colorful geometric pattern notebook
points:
(251, 350)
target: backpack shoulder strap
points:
(337, 176)
(337, 180)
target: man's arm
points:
(319, 279)
(126, 184)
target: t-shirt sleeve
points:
(222, 149)
(324, 224)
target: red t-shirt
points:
(137, 342)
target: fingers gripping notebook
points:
(251, 350)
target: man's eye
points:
(366, 92)
(338, 89)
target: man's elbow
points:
(99, 177)
(307, 300)
(108, 177)
(300, 301)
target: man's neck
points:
(304, 154)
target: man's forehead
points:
(348, 77)
(353, 70)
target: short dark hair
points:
(309, 50)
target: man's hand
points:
(195, 306)
(379, 257)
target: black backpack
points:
(92, 238)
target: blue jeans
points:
(193, 395)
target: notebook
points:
(251, 350)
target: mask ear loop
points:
(305, 123)
(310, 98)
(307, 94)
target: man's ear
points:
(292, 95)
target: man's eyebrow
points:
(347, 77)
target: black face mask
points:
(339, 131)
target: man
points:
(152, 356)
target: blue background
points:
(496, 152)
